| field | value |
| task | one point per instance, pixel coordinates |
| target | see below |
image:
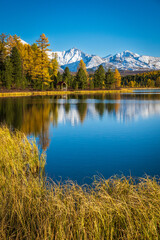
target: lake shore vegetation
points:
(34, 207)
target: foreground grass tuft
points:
(33, 208)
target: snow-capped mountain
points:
(122, 61)
(132, 61)
(72, 57)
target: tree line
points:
(24, 66)
(147, 79)
(29, 66)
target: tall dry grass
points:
(33, 208)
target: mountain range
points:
(122, 61)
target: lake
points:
(86, 135)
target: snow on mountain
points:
(122, 61)
(132, 61)
(72, 57)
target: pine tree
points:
(59, 77)
(17, 67)
(91, 83)
(109, 79)
(53, 71)
(81, 79)
(99, 77)
(67, 76)
(8, 73)
(117, 77)
(54, 65)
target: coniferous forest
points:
(24, 66)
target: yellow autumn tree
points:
(3, 47)
(28, 60)
(158, 82)
(42, 63)
(14, 41)
(83, 66)
(117, 77)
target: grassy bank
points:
(33, 208)
(47, 93)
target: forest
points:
(24, 66)
(147, 79)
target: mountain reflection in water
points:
(34, 115)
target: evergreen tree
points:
(117, 77)
(67, 76)
(17, 67)
(91, 84)
(109, 79)
(8, 73)
(59, 77)
(99, 77)
(81, 79)
(54, 66)
(53, 71)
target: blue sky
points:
(95, 26)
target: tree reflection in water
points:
(33, 115)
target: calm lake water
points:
(91, 135)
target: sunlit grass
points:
(33, 208)
(47, 93)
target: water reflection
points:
(33, 115)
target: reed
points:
(32, 207)
(51, 93)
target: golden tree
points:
(42, 63)
(117, 77)
(3, 47)
(28, 60)
(83, 66)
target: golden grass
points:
(33, 208)
(47, 93)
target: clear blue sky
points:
(95, 26)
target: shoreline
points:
(53, 93)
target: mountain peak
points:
(74, 49)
